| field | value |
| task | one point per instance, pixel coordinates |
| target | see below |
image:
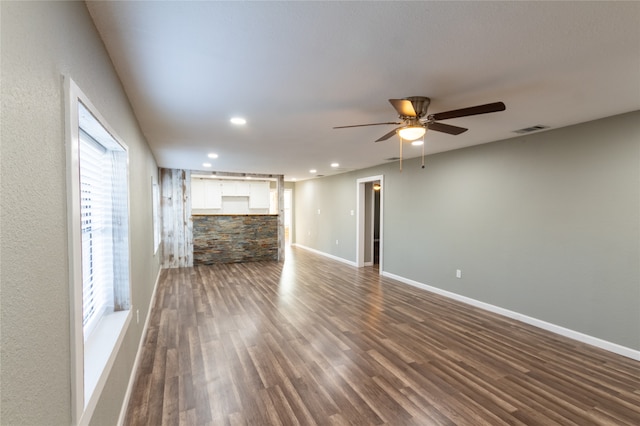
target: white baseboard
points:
(572, 334)
(321, 253)
(136, 362)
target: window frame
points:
(89, 373)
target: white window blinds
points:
(104, 227)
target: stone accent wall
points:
(234, 238)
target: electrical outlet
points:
(352, 212)
(458, 273)
(337, 242)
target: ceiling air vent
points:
(531, 129)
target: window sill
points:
(100, 351)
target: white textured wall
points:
(41, 42)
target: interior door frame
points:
(360, 220)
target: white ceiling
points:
(294, 70)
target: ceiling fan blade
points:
(464, 112)
(446, 128)
(404, 107)
(387, 136)
(364, 125)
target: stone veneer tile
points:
(234, 238)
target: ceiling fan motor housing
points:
(420, 105)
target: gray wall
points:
(546, 225)
(335, 197)
(41, 42)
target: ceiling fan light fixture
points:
(411, 133)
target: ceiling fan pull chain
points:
(401, 153)
(423, 152)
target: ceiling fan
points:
(412, 112)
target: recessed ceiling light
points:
(238, 120)
(334, 165)
(206, 164)
(312, 171)
(212, 155)
(293, 179)
(417, 143)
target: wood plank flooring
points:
(313, 341)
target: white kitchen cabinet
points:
(228, 196)
(233, 188)
(259, 197)
(206, 194)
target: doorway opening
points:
(376, 191)
(369, 225)
(288, 216)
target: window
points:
(99, 249)
(103, 213)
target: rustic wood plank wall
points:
(175, 205)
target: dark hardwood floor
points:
(314, 341)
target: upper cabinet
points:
(206, 194)
(259, 195)
(235, 188)
(225, 196)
